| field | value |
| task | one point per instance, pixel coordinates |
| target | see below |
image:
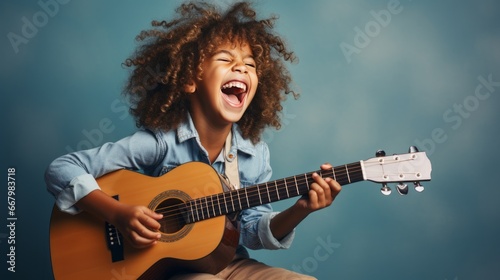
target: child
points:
(218, 74)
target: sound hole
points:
(173, 220)
(171, 204)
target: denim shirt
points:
(71, 177)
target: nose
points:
(241, 67)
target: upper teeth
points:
(235, 84)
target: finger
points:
(312, 199)
(150, 219)
(321, 189)
(145, 232)
(148, 228)
(334, 186)
(326, 165)
(152, 213)
(324, 187)
(139, 241)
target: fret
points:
(251, 193)
(213, 201)
(196, 209)
(272, 193)
(307, 182)
(258, 200)
(199, 209)
(347, 173)
(246, 196)
(219, 204)
(192, 211)
(230, 202)
(202, 207)
(233, 198)
(225, 202)
(296, 185)
(277, 190)
(196, 205)
(268, 194)
(239, 199)
(286, 187)
(340, 177)
(258, 191)
(207, 208)
(213, 206)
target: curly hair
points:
(172, 53)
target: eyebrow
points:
(228, 52)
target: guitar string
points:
(253, 192)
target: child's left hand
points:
(321, 194)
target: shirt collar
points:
(186, 130)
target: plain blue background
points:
(367, 82)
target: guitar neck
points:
(244, 198)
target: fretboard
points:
(236, 200)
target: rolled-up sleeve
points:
(71, 177)
(256, 232)
(78, 188)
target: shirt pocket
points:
(167, 168)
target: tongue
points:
(233, 98)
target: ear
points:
(190, 87)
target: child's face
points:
(227, 86)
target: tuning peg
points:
(385, 190)
(380, 153)
(418, 187)
(402, 188)
(413, 149)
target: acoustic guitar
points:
(196, 231)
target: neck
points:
(212, 137)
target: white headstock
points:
(411, 167)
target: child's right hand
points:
(138, 224)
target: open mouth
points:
(234, 92)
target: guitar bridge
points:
(114, 239)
